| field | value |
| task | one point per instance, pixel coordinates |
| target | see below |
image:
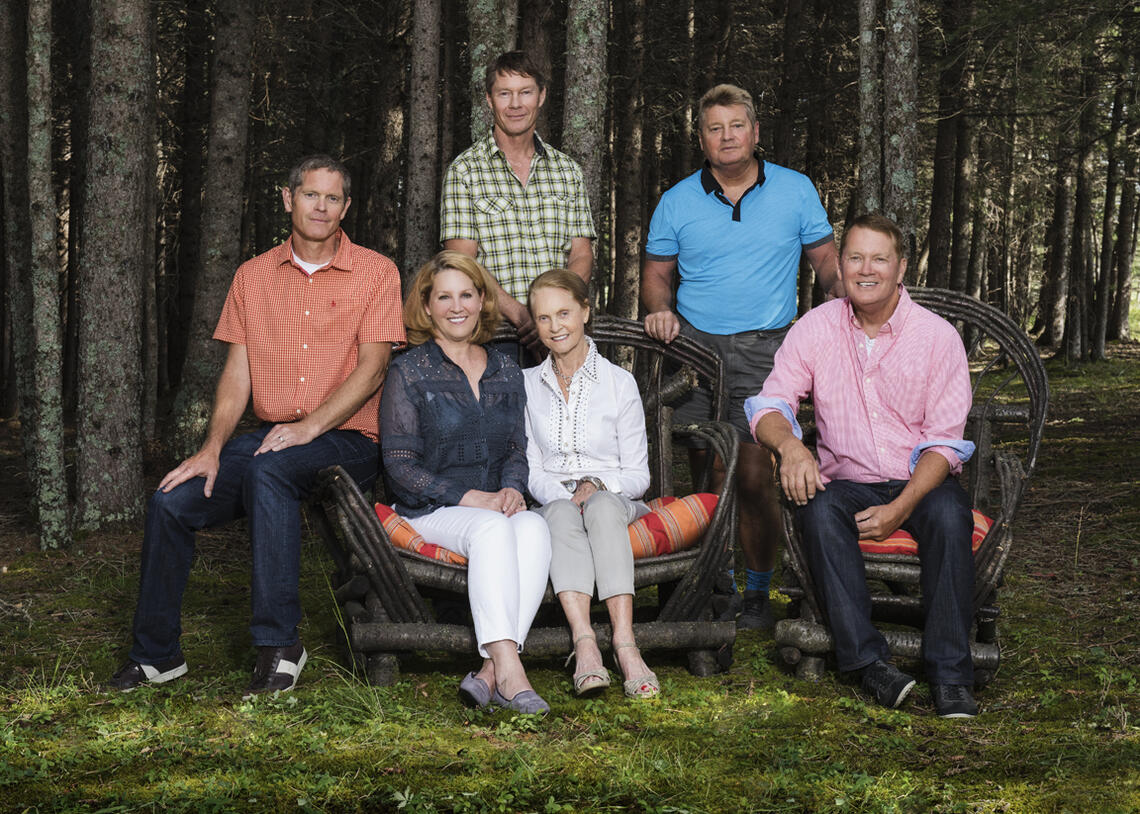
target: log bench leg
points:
(383, 669)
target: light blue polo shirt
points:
(738, 264)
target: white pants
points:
(508, 562)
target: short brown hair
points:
(319, 162)
(416, 319)
(726, 96)
(560, 278)
(880, 223)
(516, 62)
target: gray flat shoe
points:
(527, 701)
(474, 692)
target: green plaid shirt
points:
(521, 231)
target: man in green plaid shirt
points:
(514, 202)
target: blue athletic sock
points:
(757, 580)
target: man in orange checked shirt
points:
(310, 326)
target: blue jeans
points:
(268, 489)
(942, 525)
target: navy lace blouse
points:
(438, 442)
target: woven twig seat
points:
(1011, 397)
(385, 593)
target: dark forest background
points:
(142, 146)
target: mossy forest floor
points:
(1059, 730)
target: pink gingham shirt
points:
(876, 411)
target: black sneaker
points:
(276, 670)
(726, 601)
(132, 674)
(953, 701)
(756, 613)
(887, 683)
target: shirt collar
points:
(711, 185)
(589, 367)
(341, 260)
(897, 319)
(494, 358)
(491, 146)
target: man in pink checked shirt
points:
(891, 389)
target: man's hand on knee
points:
(879, 522)
(202, 464)
(283, 436)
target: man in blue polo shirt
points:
(734, 230)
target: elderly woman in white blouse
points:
(587, 452)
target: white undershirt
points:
(308, 268)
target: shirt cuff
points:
(962, 452)
(757, 406)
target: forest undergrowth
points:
(1059, 729)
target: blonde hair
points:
(726, 96)
(416, 320)
(568, 281)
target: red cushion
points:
(901, 542)
(673, 524)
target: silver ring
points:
(280, 437)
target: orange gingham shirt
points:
(302, 332)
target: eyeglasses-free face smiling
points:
(454, 306)
(561, 322)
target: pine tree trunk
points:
(49, 476)
(583, 121)
(963, 203)
(900, 115)
(787, 92)
(422, 224)
(870, 109)
(492, 25)
(1055, 285)
(1078, 330)
(195, 117)
(950, 104)
(630, 160)
(115, 256)
(17, 252)
(1107, 277)
(220, 244)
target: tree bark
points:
(870, 109)
(1107, 277)
(1059, 237)
(220, 243)
(1124, 248)
(17, 252)
(963, 203)
(787, 92)
(900, 115)
(630, 160)
(115, 256)
(422, 224)
(492, 25)
(195, 117)
(1080, 314)
(950, 111)
(49, 476)
(583, 125)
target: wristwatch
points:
(595, 482)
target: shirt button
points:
(305, 347)
(306, 313)
(302, 378)
(298, 412)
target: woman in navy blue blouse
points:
(453, 435)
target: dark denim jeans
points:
(942, 525)
(268, 489)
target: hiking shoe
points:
(953, 701)
(726, 601)
(887, 683)
(756, 613)
(132, 674)
(276, 670)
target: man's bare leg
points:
(760, 524)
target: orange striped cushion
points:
(402, 535)
(673, 524)
(901, 542)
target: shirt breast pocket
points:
(493, 209)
